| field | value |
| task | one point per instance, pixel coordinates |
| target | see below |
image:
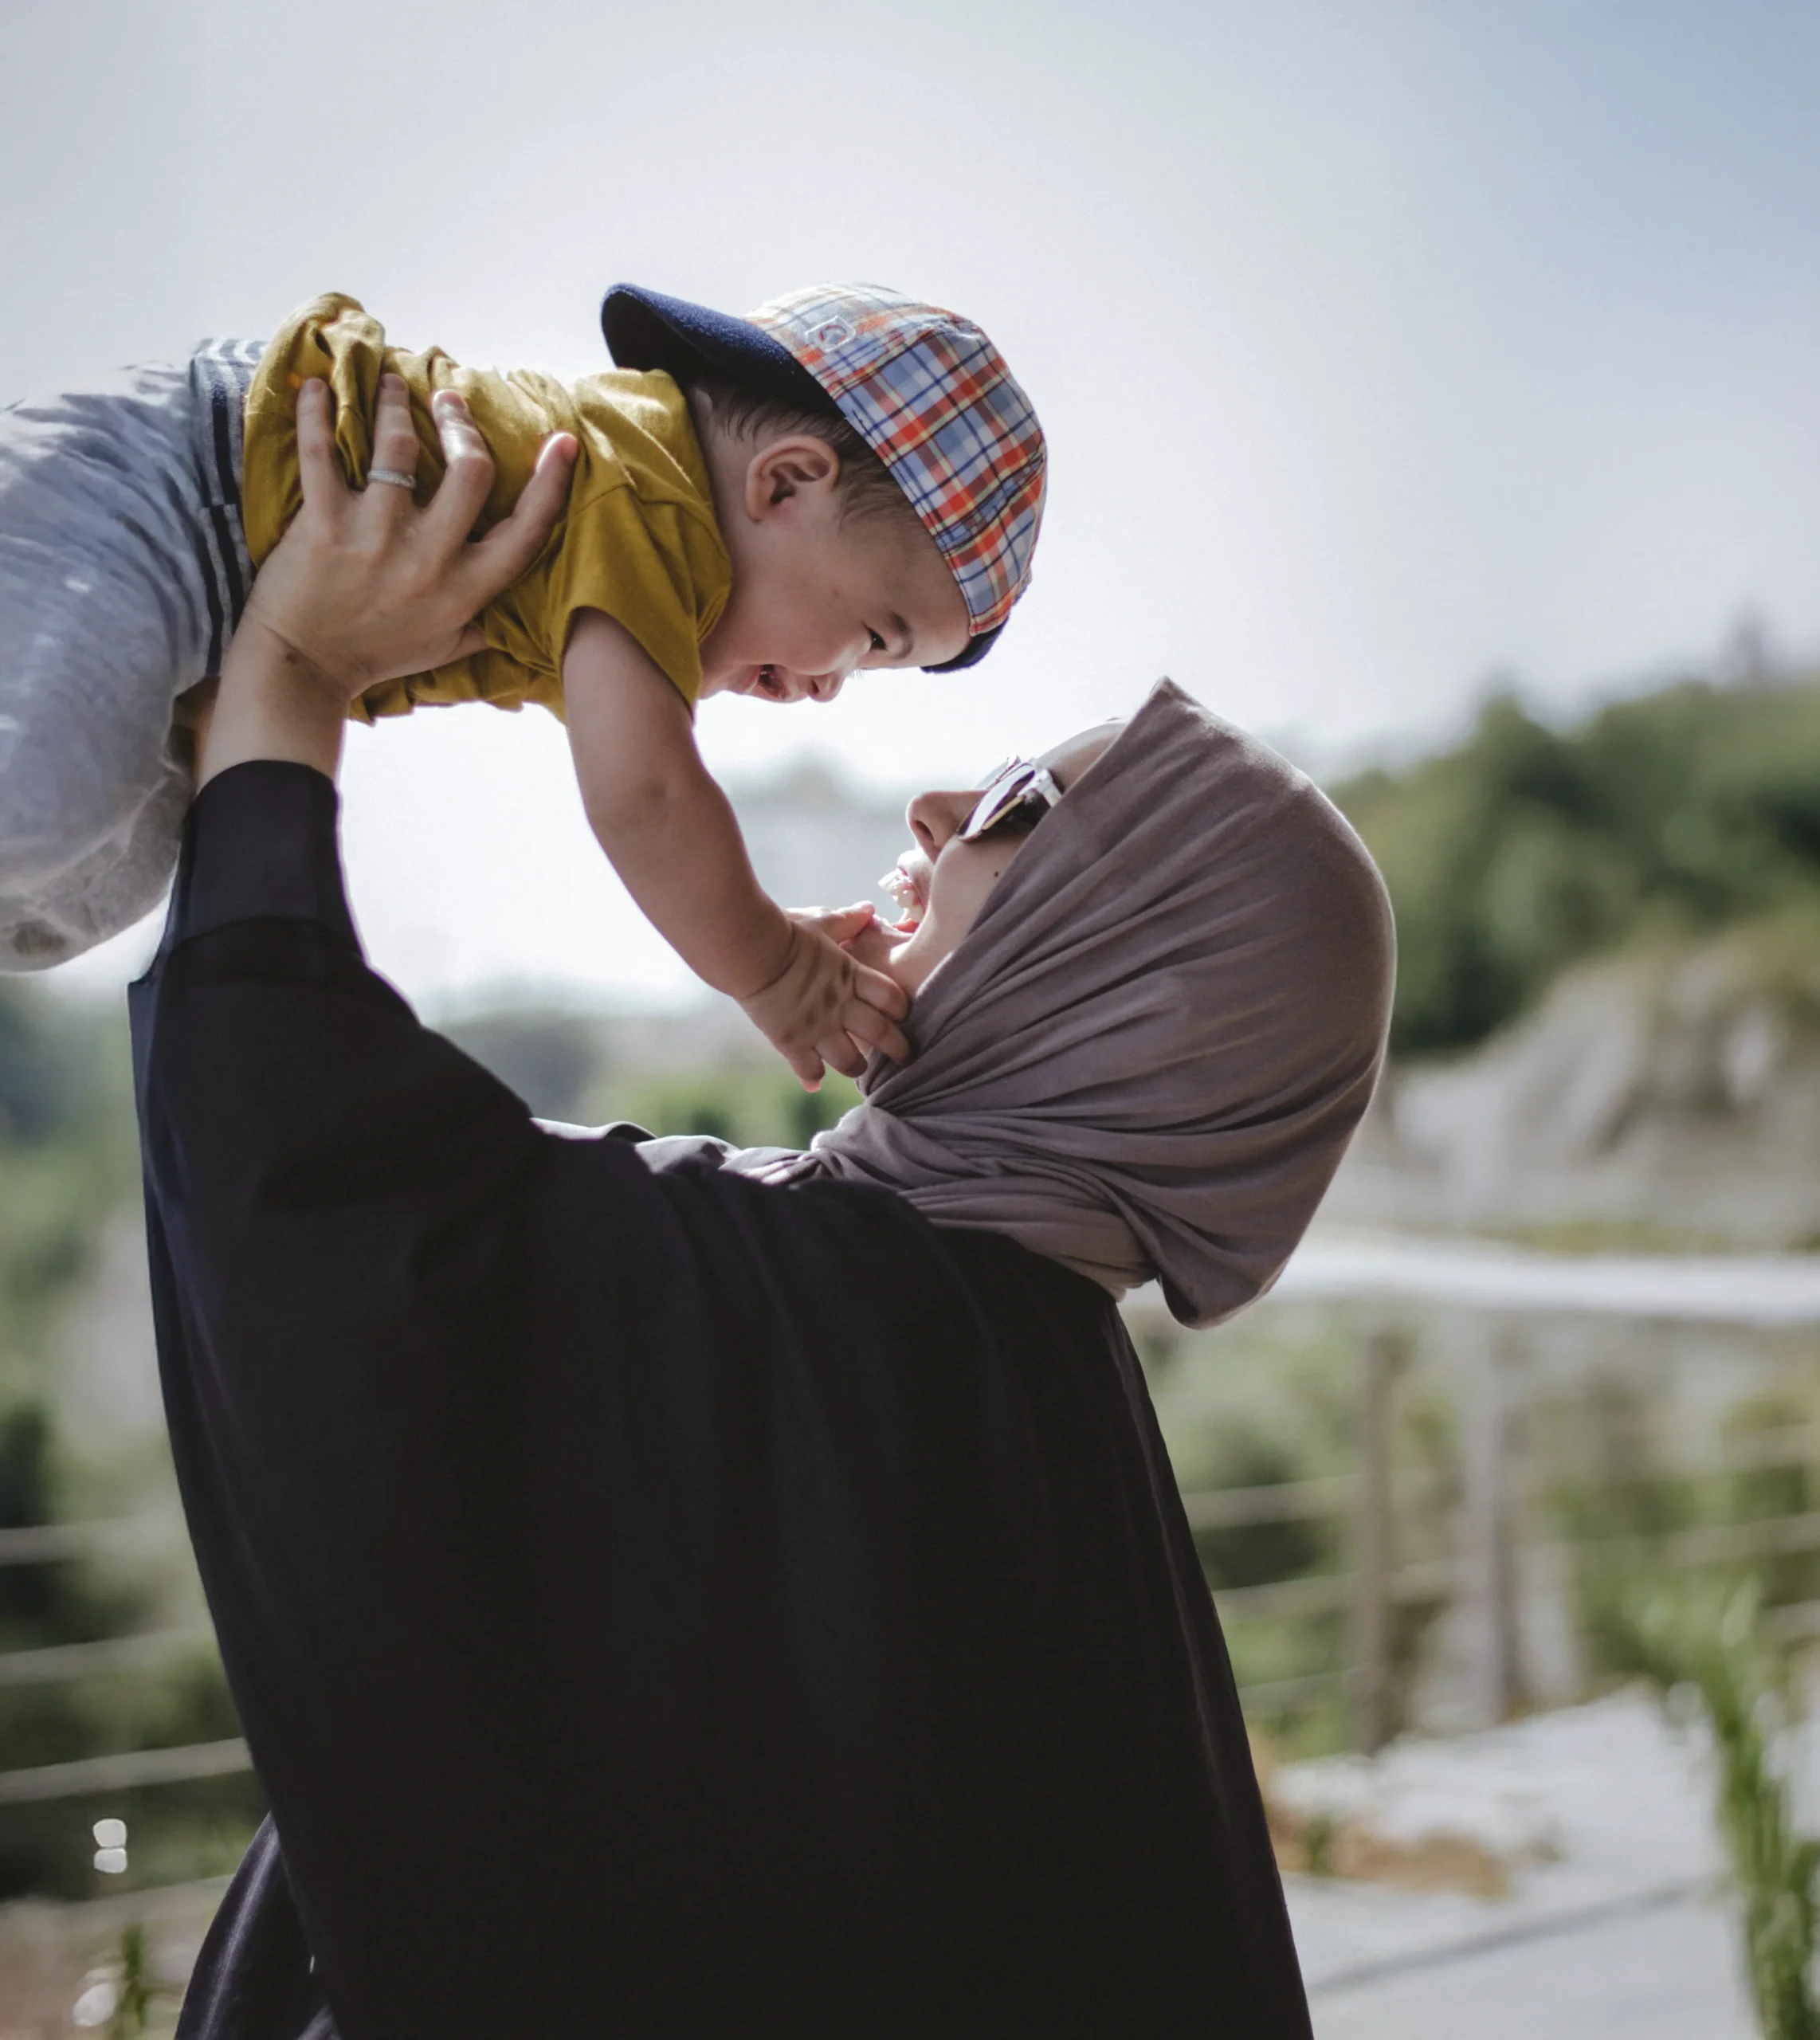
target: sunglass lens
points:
(1002, 793)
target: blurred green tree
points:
(1527, 847)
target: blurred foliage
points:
(67, 1163)
(1609, 1486)
(67, 1156)
(588, 1070)
(1270, 1398)
(1252, 1554)
(1783, 1487)
(47, 1065)
(1626, 1499)
(1528, 847)
(138, 1992)
(751, 1106)
(1704, 1644)
(551, 1058)
(43, 1604)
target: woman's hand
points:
(365, 587)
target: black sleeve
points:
(336, 1231)
(657, 1602)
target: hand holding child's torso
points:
(637, 541)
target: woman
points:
(671, 1592)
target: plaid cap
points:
(932, 397)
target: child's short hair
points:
(866, 485)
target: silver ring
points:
(396, 477)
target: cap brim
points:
(645, 329)
(977, 649)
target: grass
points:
(1704, 1644)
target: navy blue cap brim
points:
(645, 329)
(977, 649)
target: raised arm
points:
(352, 1235)
(670, 833)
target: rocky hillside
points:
(1607, 1024)
(1668, 1094)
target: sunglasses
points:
(1017, 792)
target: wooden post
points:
(1489, 1567)
(1371, 1540)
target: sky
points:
(1386, 349)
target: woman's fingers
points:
(509, 548)
(491, 566)
(319, 470)
(395, 443)
(365, 587)
(467, 476)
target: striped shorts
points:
(123, 571)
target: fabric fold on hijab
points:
(1150, 1052)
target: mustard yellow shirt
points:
(638, 539)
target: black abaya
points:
(658, 1603)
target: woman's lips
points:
(902, 887)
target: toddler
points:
(758, 506)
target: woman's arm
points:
(365, 586)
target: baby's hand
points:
(826, 1008)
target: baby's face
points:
(818, 596)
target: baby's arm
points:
(669, 832)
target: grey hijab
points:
(1147, 1057)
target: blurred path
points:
(1667, 1973)
(1615, 1927)
(49, 1953)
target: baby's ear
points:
(782, 470)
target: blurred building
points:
(816, 838)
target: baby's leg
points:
(105, 618)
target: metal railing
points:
(1485, 1301)
(1485, 1290)
(113, 1657)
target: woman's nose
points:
(934, 818)
(825, 686)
